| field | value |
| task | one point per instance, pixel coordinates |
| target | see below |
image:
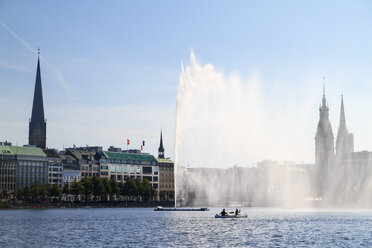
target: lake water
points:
(141, 227)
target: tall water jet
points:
(222, 129)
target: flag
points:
(141, 148)
(128, 141)
(143, 142)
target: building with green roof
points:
(31, 165)
(121, 166)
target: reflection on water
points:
(144, 227)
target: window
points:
(138, 170)
(119, 168)
(147, 170)
(104, 167)
(132, 169)
(125, 168)
(156, 170)
(112, 168)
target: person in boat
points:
(236, 212)
(223, 213)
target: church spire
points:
(37, 125)
(161, 148)
(345, 140)
(342, 114)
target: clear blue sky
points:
(110, 69)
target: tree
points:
(35, 191)
(19, 194)
(88, 187)
(66, 188)
(138, 188)
(115, 187)
(55, 191)
(44, 191)
(107, 187)
(98, 187)
(146, 189)
(77, 188)
(5, 194)
(26, 193)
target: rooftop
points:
(164, 160)
(130, 156)
(27, 151)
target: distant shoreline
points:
(51, 205)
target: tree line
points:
(90, 189)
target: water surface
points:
(141, 227)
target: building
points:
(71, 170)
(324, 148)
(166, 178)
(55, 167)
(31, 165)
(7, 169)
(345, 140)
(166, 174)
(37, 124)
(122, 166)
(85, 161)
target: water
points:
(146, 228)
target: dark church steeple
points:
(161, 148)
(37, 125)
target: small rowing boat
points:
(231, 216)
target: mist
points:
(234, 145)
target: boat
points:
(159, 208)
(231, 216)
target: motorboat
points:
(159, 208)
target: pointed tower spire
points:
(342, 114)
(161, 148)
(345, 140)
(324, 101)
(37, 125)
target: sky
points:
(110, 69)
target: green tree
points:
(27, 193)
(98, 187)
(138, 190)
(44, 191)
(66, 188)
(107, 187)
(146, 189)
(77, 188)
(19, 194)
(115, 187)
(35, 191)
(88, 187)
(5, 194)
(55, 191)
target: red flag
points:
(141, 148)
(128, 141)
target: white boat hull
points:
(231, 216)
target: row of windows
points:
(166, 186)
(32, 163)
(121, 161)
(71, 178)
